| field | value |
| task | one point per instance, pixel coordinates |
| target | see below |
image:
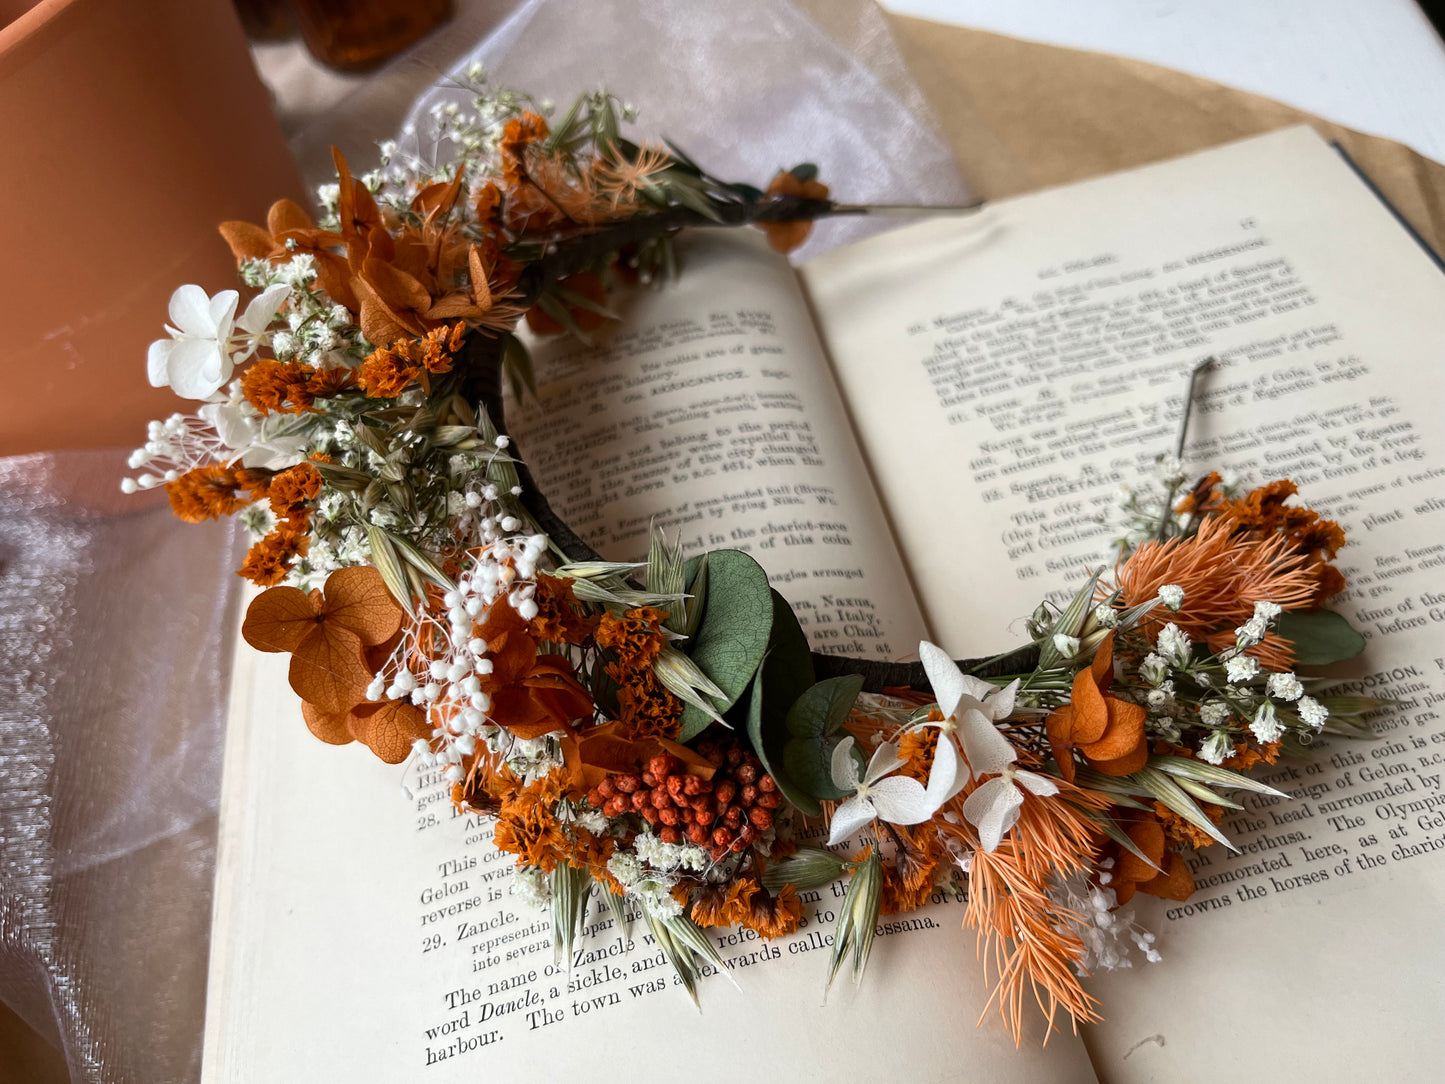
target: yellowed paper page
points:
(710, 412)
(1008, 372)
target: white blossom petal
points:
(843, 768)
(993, 809)
(1041, 785)
(944, 778)
(222, 312)
(157, 358)
(849, 818)
(987, 750)
(1001, 704)
(885, 759)
(901, 800)
(190, 311)
(196, 368)
(943, 675)
(263, 307)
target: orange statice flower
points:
(292, 491)
(1264, 512)
(268, 560)
(771, 916)
(213, 491)
(1107, 732)
(278, 386)
(390, 370)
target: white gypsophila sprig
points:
(1173, 645)
(1284, 686)
(1216, 748)
(1311, 712)
(1109, 934)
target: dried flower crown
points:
(661, 731)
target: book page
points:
(1008, 372)
(710, 412)
(367, 933)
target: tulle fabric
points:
(117, 621)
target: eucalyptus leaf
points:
(815, 722)
(773, 764)
(733, 635)
(1320, 637)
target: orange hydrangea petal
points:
(1059, 728)
(1102, 667)
(279, 619)
(287, 214)
(1127, 764)
(357, 600)
(247, 240)
(329, 670)
(389, 728)
(1091, 714)
(1125, 731)
(1175, 883)
(330, 726)
(1148, 836)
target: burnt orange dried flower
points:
(213, 491)
(635, 638)
(326, 633)
(269, 559)
(292, 491)
(289, 231)
(723, 905)
(532, 694)
(771, 916)
(1263, 513)
(1168, 877)
(559, 619)
(1107, 731)
(786, 236)
(388, 371)
(278, 386)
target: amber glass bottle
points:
(354, 35)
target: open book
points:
(917, 435)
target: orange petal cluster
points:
(532, 694)
(1107, 732)
(786, 236)
(1223, 574)
(328, 634)
(1168, 877)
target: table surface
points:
(1374, 65)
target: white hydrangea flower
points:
(207, 341)
(1284, 687)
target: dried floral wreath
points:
(661, 731)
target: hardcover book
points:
(918, 435)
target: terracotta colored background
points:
(130, 128)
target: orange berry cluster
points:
(725, 813)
